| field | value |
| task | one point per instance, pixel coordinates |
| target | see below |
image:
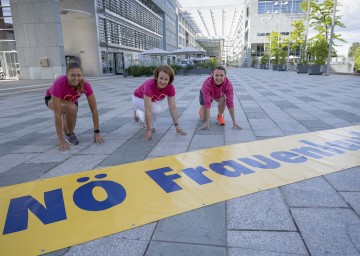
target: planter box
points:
(264, 66)
(302, 69)
(316, 69)
(275, 67)
(193, 71)
(282, 67)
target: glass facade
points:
(7, 38)
(265, 6)
(9, 66)
(130, 24)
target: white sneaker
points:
(136, 118)
(140, 115)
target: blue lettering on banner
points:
(84, 198)
(163, 180)
(196, 174)
(288, 157)
(238, 169)
(18, 212)
(334, 150)
(266, 163)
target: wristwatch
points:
(96, 131)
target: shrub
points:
(357, 61)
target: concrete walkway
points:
(319, 216)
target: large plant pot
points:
(282, 67)
(275, 67)
(302, 69)
(316, 69)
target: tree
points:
(353, 49)
(297, 39)
(297, 35)
(321, 15)
(321, 19)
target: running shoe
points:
(220, 120)
(136, 118)
(71, 139)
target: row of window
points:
(267, 34)
(133, 11)
(122, 34)
(7, 37)
(269, 6)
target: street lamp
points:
(266, 21)
(291, 15)
(272, 14)
(331, 39)
(281, 3)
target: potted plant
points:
(282, 60)
(318, 50)
(264, 60)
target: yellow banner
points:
(46, 215)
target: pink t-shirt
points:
(211, 91)
(62, 89)
(150, 89)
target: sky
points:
(350, 12)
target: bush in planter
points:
(318, 50)
(264, 60)
(175, 67)
(136, 71)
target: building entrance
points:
(119, 63)
(9, 65)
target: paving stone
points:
(203, 226)
(269, 241)
(180, 249)
(259, 211)
(326, 231)
(314, 192)
(346, 180)
(353, 199)
(109, 247)
(24, 173)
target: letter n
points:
(18, 214)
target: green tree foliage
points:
(357, 61)
(318, 49)
(297, 35)
(353, 49)
(321, 19)
(321, 14)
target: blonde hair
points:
(166, 69)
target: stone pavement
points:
(319, 216)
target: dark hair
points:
(220, 68)
(72, 65)
(166, 69)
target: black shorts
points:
(201, 98)
(48, 98)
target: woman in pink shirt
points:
(146, 100)
(62, 97)
(219, 88)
